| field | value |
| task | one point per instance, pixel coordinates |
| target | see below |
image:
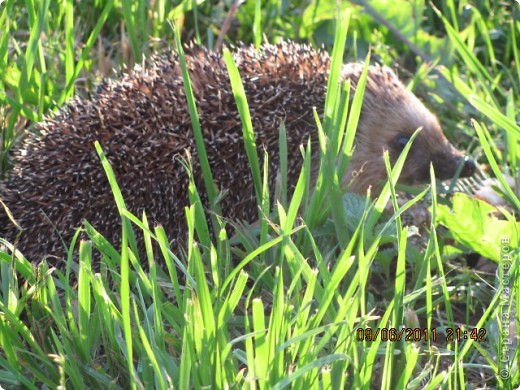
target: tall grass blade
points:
(209, 183)
(247, 125)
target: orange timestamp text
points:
(420, 334)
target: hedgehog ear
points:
(352, 72)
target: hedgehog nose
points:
(469, 167)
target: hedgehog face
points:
(390, 115)
(430, 146)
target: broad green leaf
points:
(472, 224)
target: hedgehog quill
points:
(142, 122)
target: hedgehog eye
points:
(401, 141)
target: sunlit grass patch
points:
(328, 289)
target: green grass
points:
(289, 302)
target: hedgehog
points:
(143, 125)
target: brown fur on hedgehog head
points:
(389, 117)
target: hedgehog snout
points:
(447, 166)
(469, 167)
